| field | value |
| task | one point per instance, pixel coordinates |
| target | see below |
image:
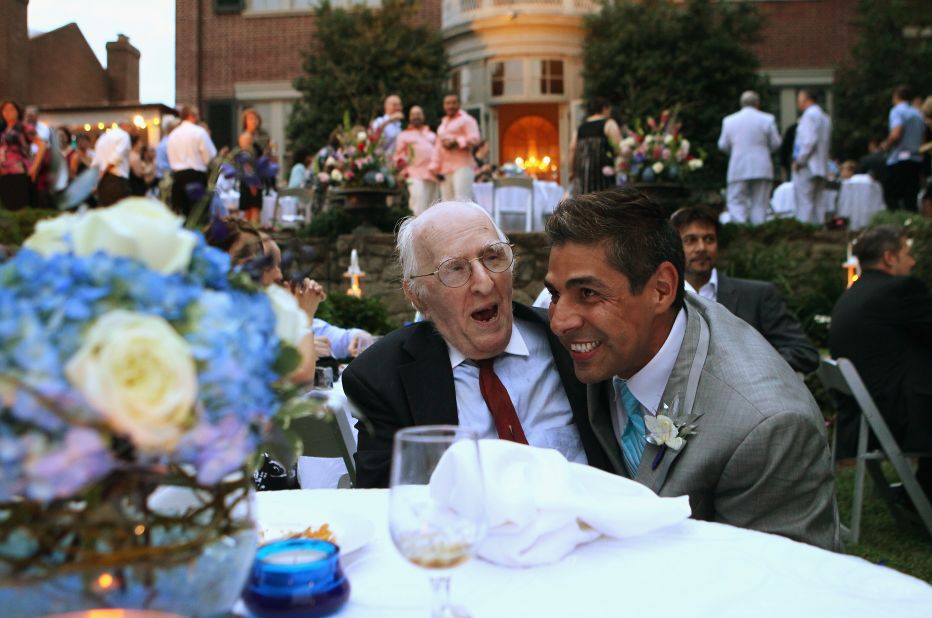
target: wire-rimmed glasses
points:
(455, 272)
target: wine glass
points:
(437, 527)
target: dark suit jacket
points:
(883, 324)
(405, 379)
(759, 304)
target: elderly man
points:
(756, 302)
(883, 325)
(757, 456)
(479, 360)
(390, 124)
(748, 137)
(457, 134)
(414, 149)
(810, 158)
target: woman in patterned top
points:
(17, 165)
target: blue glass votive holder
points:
(296, 577)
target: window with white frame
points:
(507, 78)
(550, 76)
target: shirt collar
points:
(709, 290)
(648, 384)
(516, 346)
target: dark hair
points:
(873, 242)
(903, 93)
(695, 214)
(19, 109)
(638, 234)
(810, 94)
(452, 94)
(596, 105)
(226, 232)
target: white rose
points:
(657, 167)
(361, 136)
(291, 323)
(336, 175)
(137, 228)
(330, 162)
(49, 235)
(140, 375)
(694, 164)
(663, 431)
(684, 145)
(668, 139)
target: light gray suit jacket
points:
(749, 136)
(813, 138)
(760, 457)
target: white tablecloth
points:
(547, 195)
(860, 198)
(691, 569)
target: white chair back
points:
(505, 200)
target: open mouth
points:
(485, 315)
(584, 347)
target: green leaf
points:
(288, 360)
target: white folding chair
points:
(841, 376)
(328, 435)
(305, 201)
(505, 188)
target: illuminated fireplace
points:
(531, 139)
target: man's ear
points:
(411, 296)
(666, 283)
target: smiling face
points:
(700, 244)
(607, 329)
(451, 104)
(475, 318)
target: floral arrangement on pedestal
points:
(135, 371)
(360, 162)
(656, 151)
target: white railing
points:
(456, 12)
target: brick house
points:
(516, 63)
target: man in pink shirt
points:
(457, 134)
(414, 148)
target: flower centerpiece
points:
(137, 377)
(360, 162)
(656, 151)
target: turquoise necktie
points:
(634, 436)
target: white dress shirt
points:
(112, 151)
(190, 148)
(648, 384)
(709, 291)
(527, 371)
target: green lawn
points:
(907, 548)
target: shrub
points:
(338, 221)
(367, 313)
(17, 225)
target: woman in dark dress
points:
(17, 165)
(593, 149)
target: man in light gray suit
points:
(757, 455)
(748, 137)
(810, 158)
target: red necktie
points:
(496, 397)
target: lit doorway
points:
(529, 135)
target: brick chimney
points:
(123, 70)
(14, 59)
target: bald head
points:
(392, 104)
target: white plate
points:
(351, 531)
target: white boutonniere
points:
(668, 430)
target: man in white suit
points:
(810, 158)
(748, 137)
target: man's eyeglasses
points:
(455, 272)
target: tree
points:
(356, 58)
(651, 55)
(894, 48)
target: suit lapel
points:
(727, 294)
(682, 385)
(428, 378)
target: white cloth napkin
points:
(539, 507)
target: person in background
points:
(163, 169)
(759, 457)
(190, 151)
(81, 157)
(810, 158)
(111, 157)
(756, 302)
(414, 148)
(252, 123)
(484, 169)
(748, 137)
(18, 166)
(904, 163)
(300, 171)
(452, 160)
(594, 148)
(874, 162)
(390, 124)
(137, 166)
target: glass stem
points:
(440, 606)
